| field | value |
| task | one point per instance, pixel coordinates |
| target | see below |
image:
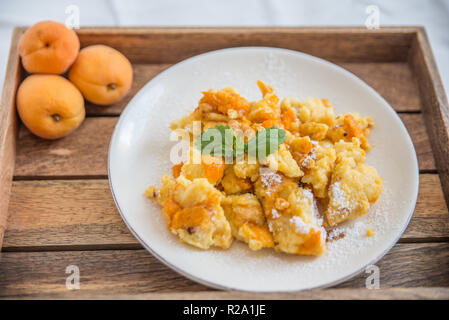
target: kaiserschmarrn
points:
(286, 197)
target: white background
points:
(433, 14)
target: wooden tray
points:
(61, 211)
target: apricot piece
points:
(352, 126)
(102, 74)
(288, 117)
(48, 47)
(191, 218)
(177, 169)
(50, 106)
(224, 100)
(213, 168)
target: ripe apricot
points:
(48, 47)
(50, 106)
(102, 74)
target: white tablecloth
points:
(433, 14)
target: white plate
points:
(139, 155)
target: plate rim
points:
(256, 48)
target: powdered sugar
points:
(338, 199)
(270, 178)
(307, 161)
(299, 225)
(311, 156)
(270, 226)
(308, 194)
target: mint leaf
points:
(221, 141)
(266, 142)
(239, 146)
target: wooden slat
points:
(419, 293)
(435, 104)
(430, 220)
(80, 214)
(393, 80)
(170, 45)
(84, 152)
(137, 271)
(8, 129)
(417, 130)
(66, 214)
(105, 270)
(428, 262)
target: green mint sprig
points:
(222, 141)
(266, 142)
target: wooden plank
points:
(419, 293)
(417, 130)
(170, 45)
(81, 214)
(430, 220)
(70, 214)
(8, 129)
(393, 80)
(105, 270)
(435, 104)
(84, 152)
(137, 271)
(429, 263)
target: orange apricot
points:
(50, 106)
(102, 74)
(48, 47)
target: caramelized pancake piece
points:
(223, 101)
(247, 220)
(351, 125)
(247, 170)
(211, 168)
(320, 165)
(292, 215)
(193, 212)
(266, 111)
(232, 184)
(354, 185)
(282, 161)
(315, 130)
(311, 110)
